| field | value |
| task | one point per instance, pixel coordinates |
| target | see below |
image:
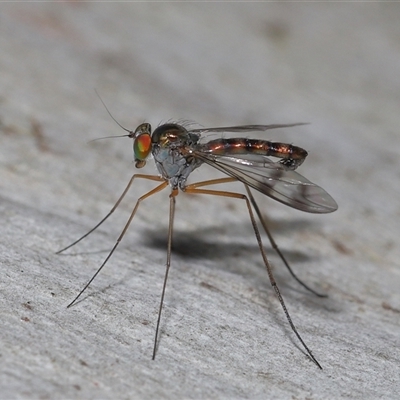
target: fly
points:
(177, 151)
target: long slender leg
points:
(275, 246)
(193, 189)
(140, 199)
(139, 176)
(264, 225)
(172, 196)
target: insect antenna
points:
(107, 137)
(109, 113)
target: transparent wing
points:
(244, 128)
(274, 180)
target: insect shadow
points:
(204, 243)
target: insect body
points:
(178, 151)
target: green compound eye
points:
(142, 147)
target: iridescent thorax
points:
(172, 148)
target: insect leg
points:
(194, 189)
(172, 196)
(263, 223)
(275, 246)
(145, 196)
(141, 176)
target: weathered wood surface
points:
(223, 332)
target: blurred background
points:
(333, 65)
